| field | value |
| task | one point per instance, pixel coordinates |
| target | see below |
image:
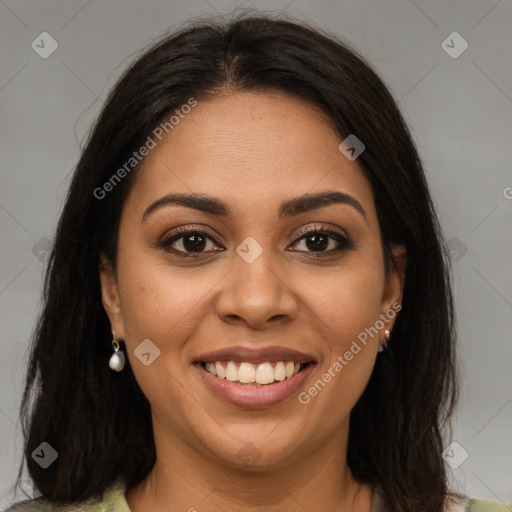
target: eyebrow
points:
(289, 208)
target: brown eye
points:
(323, 242)
(192, 242)
(317, 242)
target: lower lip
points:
(243, 395)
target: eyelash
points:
(343, 242)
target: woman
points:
(248, 303)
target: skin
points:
(252, 151)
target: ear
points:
(394, 285)
(110, 296)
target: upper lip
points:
(256, 355)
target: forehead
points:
(252, 150)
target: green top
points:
(114, 501)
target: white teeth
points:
(231, 372)
(247, 373)
(211, 367)
(280, 371)
(265, 373)
(221, 373)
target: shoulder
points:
(475, 505)
(466, 505)
(113, 501)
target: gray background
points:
(460, 111)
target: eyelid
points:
(190, 228)
(319, 227)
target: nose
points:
(256, 294)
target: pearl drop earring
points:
(117, 359)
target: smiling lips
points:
(250, 377)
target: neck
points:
(185, 480)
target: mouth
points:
(252, 378)
(249, 374)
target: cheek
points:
(344, 311)
(346, 305)
(346, 300)
(162, 307)
(162, 303)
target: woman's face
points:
(250, 283)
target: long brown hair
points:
(99, 421)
